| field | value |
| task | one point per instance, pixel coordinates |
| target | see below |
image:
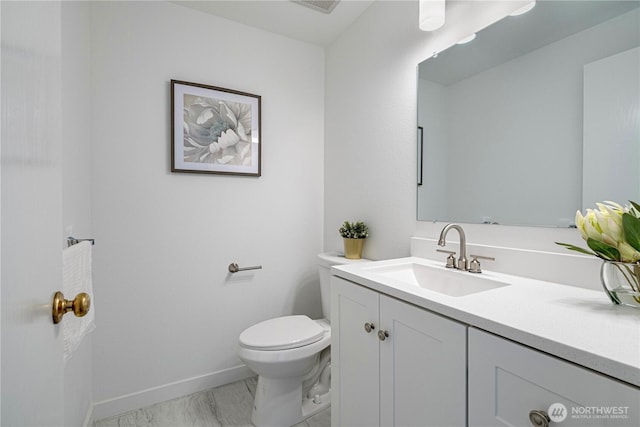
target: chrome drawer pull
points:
(383, 335)
(539, 418)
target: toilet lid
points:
(282, 333)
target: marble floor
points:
(226, 406)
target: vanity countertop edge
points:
(579, 325)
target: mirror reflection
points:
(534, 119)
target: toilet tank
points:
(325, 262)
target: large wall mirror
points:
(534, 119)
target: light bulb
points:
(431, 14)
(524, 9)
(467, 39)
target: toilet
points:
(292, 358)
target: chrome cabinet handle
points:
(383, 335)
(369, 327)
(539, 418)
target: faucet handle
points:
(474, 265)
(452, 262)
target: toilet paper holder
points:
(234, 268)
(73, 241)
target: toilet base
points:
(284, 406)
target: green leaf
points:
(631, 227)
(603, 250)
(635, 205)
(575, 248)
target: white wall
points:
(169, 314)
(370, 153)
(612, 114)
(432, 118)
(76, 184)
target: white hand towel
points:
(77, 278)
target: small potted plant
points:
(353, 234)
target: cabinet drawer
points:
(507, 381)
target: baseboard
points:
(129, 402)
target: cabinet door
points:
(422, 367)
(354, 355)
(508, 380)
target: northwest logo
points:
(557, 412)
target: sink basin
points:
(450, 282)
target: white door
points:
(31, 227)
(423, 361)
(354, 355)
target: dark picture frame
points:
(215, 130)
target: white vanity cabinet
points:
(508, 380)
(479, 359)
(394, 364)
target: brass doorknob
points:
(80, 306)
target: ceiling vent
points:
(324, 6)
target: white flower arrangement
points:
(612, 232)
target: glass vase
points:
(621, 282)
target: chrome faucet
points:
(463, 263)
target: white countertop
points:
(575, 324)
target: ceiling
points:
(512, 37)
(286, 17)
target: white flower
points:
(603, 224)
(214, 148)
(213, 127)
(228, 138)
(628, 253)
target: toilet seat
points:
(282, 333)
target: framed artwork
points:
(214, 130)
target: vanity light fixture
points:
(524, 9)
(431, 14)
(467, 39)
